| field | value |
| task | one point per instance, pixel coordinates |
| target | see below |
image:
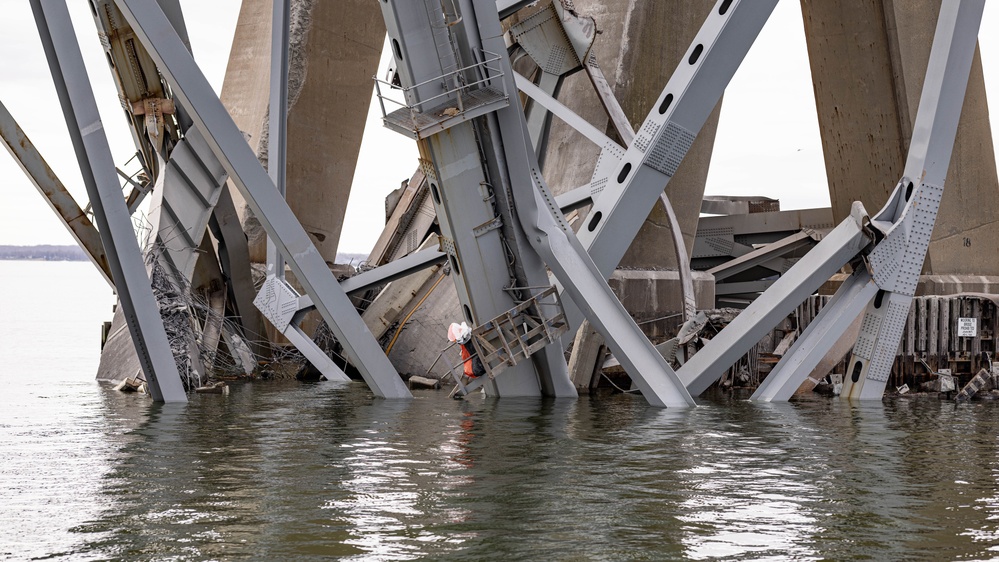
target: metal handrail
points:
(457, 71)
(491, 73)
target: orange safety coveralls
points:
(467, 360)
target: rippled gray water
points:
(289, 470)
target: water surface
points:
(290, 470)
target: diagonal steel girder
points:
(227, 143)
(818, 339)
(113, 219)
(630, 188)
(555, 242)
(895, 262)
(908, 218)
(55, 193)
(722, 351)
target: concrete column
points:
(868, 62)
(334, 51)
(639, 46)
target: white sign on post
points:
(967, 327)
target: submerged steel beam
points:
(229, 146)
(908, 218)
(818, 339)
(124, 257)
(55, 193)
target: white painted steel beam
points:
(227, 142)
(140, 309)
(897, 261)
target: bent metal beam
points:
(291, 240)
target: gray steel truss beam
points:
(818, 339)
(630, 187)
(227, 143)
(764, 228)
(381, 275)
(560, 42)
(234, 257)
(762, 255)
(556, 244)
(741, 288)
(732, 205)
(908, 218)
(391, 271)
(141, 312)
(539, 118)
(48, 185)
(277, 136)
(562, 112)
(575, 199)
(282, 306)
(680, 249)
(606, 95)
(506, 8)
(811, 271)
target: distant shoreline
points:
(74, 253)
(42, 253)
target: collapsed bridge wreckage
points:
(521, 216)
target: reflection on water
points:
(290, 470)
(286, 470)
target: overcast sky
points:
(767, 142)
